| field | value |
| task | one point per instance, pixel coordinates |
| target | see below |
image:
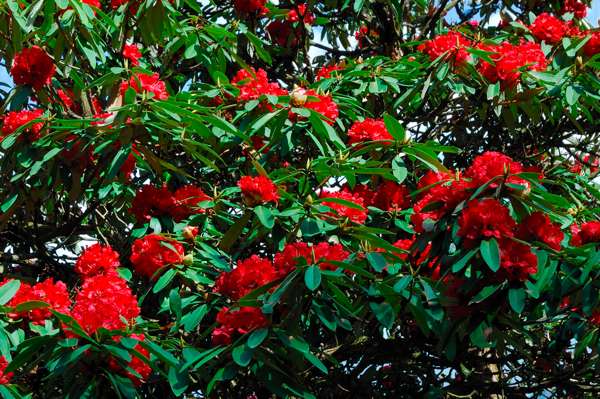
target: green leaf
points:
(8, 291)
(242, 355)
(191, 320)
(516, 298)
(9, 202)
(485, 293)
(395, 128)
(265, 216)
(178, 380)
(384, 313)
(164, 280)
(257, 337)
(458, 266)
(376, 260)
(312, 277)
(490, 254)
(402, 283)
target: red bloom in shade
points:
(102, 302)
(452, 44)
(258, 190)
(321, 103)
(322, 254)
(141, 367)
(153, 252)
(509, 60)
(249, 275)
(129, 164)
(94, 3)
(485, 219)
(415, 256)
(592, 47)
(369, 130)
(250, 6)
(548, 28)
(142, 82)
(593, 164)
(300, 13)
(363, 191)
(14, 120)
(4, 376)
(586, 233)
(151, 201)
(67, 98)
(32, 66)
(97, 259)
(54, 294)
(391, 196)
(239, 321)
(492, 164)
(538, 227)
(132, 53)
(357, 215)
(327, 71)
(578, 8)
(595, 319)
(285, 34)
(516, 260)
(255, 83)
(187, 199)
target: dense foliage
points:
(193, 203)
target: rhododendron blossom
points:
(139, 366)
(34, 67)
(4, 376)
(327, 72)
(321, 253)
(55, 294)
(516, 260)
(493, 164)
(539, 227)
(151, 201)
(300, 12)
(154, 252)
(249, 274)
(391, 196)
(237, 322)
(577, 7)
(14, 120)
(509, 60)
(250, 6)
(548, 28)
(258, 190)
(369, 130)
(321, 103)
(255, 83)
(586, 233)
(453, 45)
(356, 214)
(592, 46)
(142, 82)
(132, 53)
(97, 259)
(485, 219)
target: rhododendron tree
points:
(260, 198)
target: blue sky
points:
(593, 17)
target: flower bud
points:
(188, 259)
(298, 97)
(190, 232)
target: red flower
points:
(538, 227)
(255, 83)
(327, 71)
(578, 8)
(586, 233)
(67, 97)
(142, 82)
(187, 199)
(492, 164)
(300, 13)
(239, 321)
(285, 34)
(4, 376)
(151, 201)
(516, 260)
(593, 164)
(249, 275)
(548, 28)
(453, 45)
(321, 103)
(190, 232)
(141, 367)
(132, 53)
(369, 130)
(321, 254)
(14, 120)
(97, 259)
(103, 302)
(391, 196)
(250, 6)
(595, 319)
(54, 294)
(258, 190)
(592, 47)
(509, 60)
(129, 164)
(485, 219)
(153, 252)
(32, 66)
(356, 215)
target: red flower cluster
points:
(142, 82)
(32, 66)
(364, 33)
(240, 321)
(369, 130)
(391, 196)
(592, 47)
(132, 53)
(415, 256)
(153, 252)
(539, 227)
(255, 83)
(97, 259)
(141, 368)
(300, 13)
(4, 376)
(485, 219)
(492, 164)
(321, 254)
(250, 6)
(102, 302)
(54, 294)
(516, 260)
(548, 28)
(14, 120)
(356, 215)
(151, 201)
(249, 274)
(93, 3)
(322, 104)
(587, 161)
(453, 45)
(509, 59)
(258, 190)
(586, 233)
(327, 71)
(577, 7)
